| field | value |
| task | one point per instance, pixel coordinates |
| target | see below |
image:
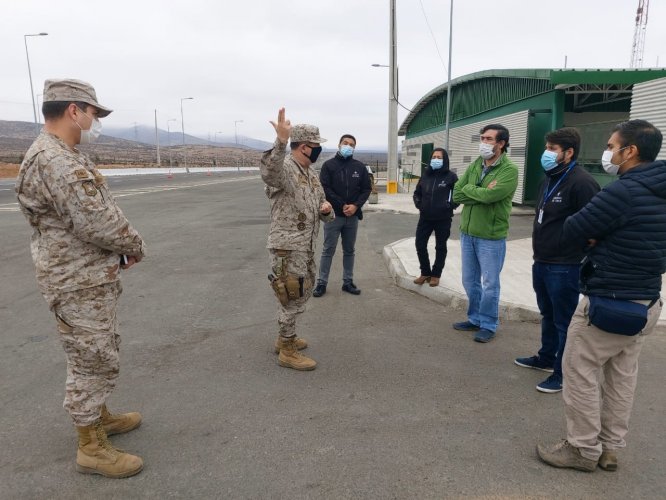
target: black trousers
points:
(424, 229)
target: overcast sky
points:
(243, 59)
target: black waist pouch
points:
(623, 317)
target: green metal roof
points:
(485, 90)
(605, 76)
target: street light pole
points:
(32, 92)
(169, 139)
(182, 123)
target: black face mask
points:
(314, 153)
(561, 167)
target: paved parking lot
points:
(400, 406)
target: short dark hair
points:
(646, 137)
(502, 134)
(347, 136)
(567, 137)
(53, 110)
(445, 157)
(294, 145)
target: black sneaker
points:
(551, 385)
(351, 288)
(319, 290)
(535, 363)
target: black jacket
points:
(434, 192)
(628, 220)
(573, 192)
(345, 181)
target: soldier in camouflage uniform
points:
(298, 203)
(79, 237)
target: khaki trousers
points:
(88, 325)
(299, 264)
(598, 408)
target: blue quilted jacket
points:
(628, 221)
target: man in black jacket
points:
(432, 197)
(566, 189)
(347, 187)
(624, 229)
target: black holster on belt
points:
(286, 286)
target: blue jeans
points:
(345, 227)
(556, 288)
(482, 262)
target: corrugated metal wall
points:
(649, 103)
(464, 146)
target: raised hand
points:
(282, 127)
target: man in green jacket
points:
(485, 189)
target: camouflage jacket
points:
(79, 231)
(295, 194)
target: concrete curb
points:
(447, 296)
(457, 300)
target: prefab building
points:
(530, 103)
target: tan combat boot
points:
(120, 422)
(280, 343)
(289, 357)
(96, 455)
(608, 460)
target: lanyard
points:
(549, 191)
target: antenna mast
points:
(639, 35)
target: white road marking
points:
(9, 207)
(162, 188)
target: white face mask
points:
(486, 150)
(609, 166)
(89, 136)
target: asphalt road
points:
(400, 406)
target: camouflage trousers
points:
(87, 325)
(299, 264)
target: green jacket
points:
(486, 209)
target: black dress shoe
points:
(351, 288)
(319, 290)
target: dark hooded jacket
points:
(345, 181)
(628, 220)
(433, 195)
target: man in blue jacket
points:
(624, 230)
(347, 187)
(566, 189)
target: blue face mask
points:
(346, 151)
(549, 160)
(436, 163)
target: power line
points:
(425, 16)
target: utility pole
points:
(448, 85)
(157, 141)
(392, 155)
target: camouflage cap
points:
(73, 90)
(306, 133)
